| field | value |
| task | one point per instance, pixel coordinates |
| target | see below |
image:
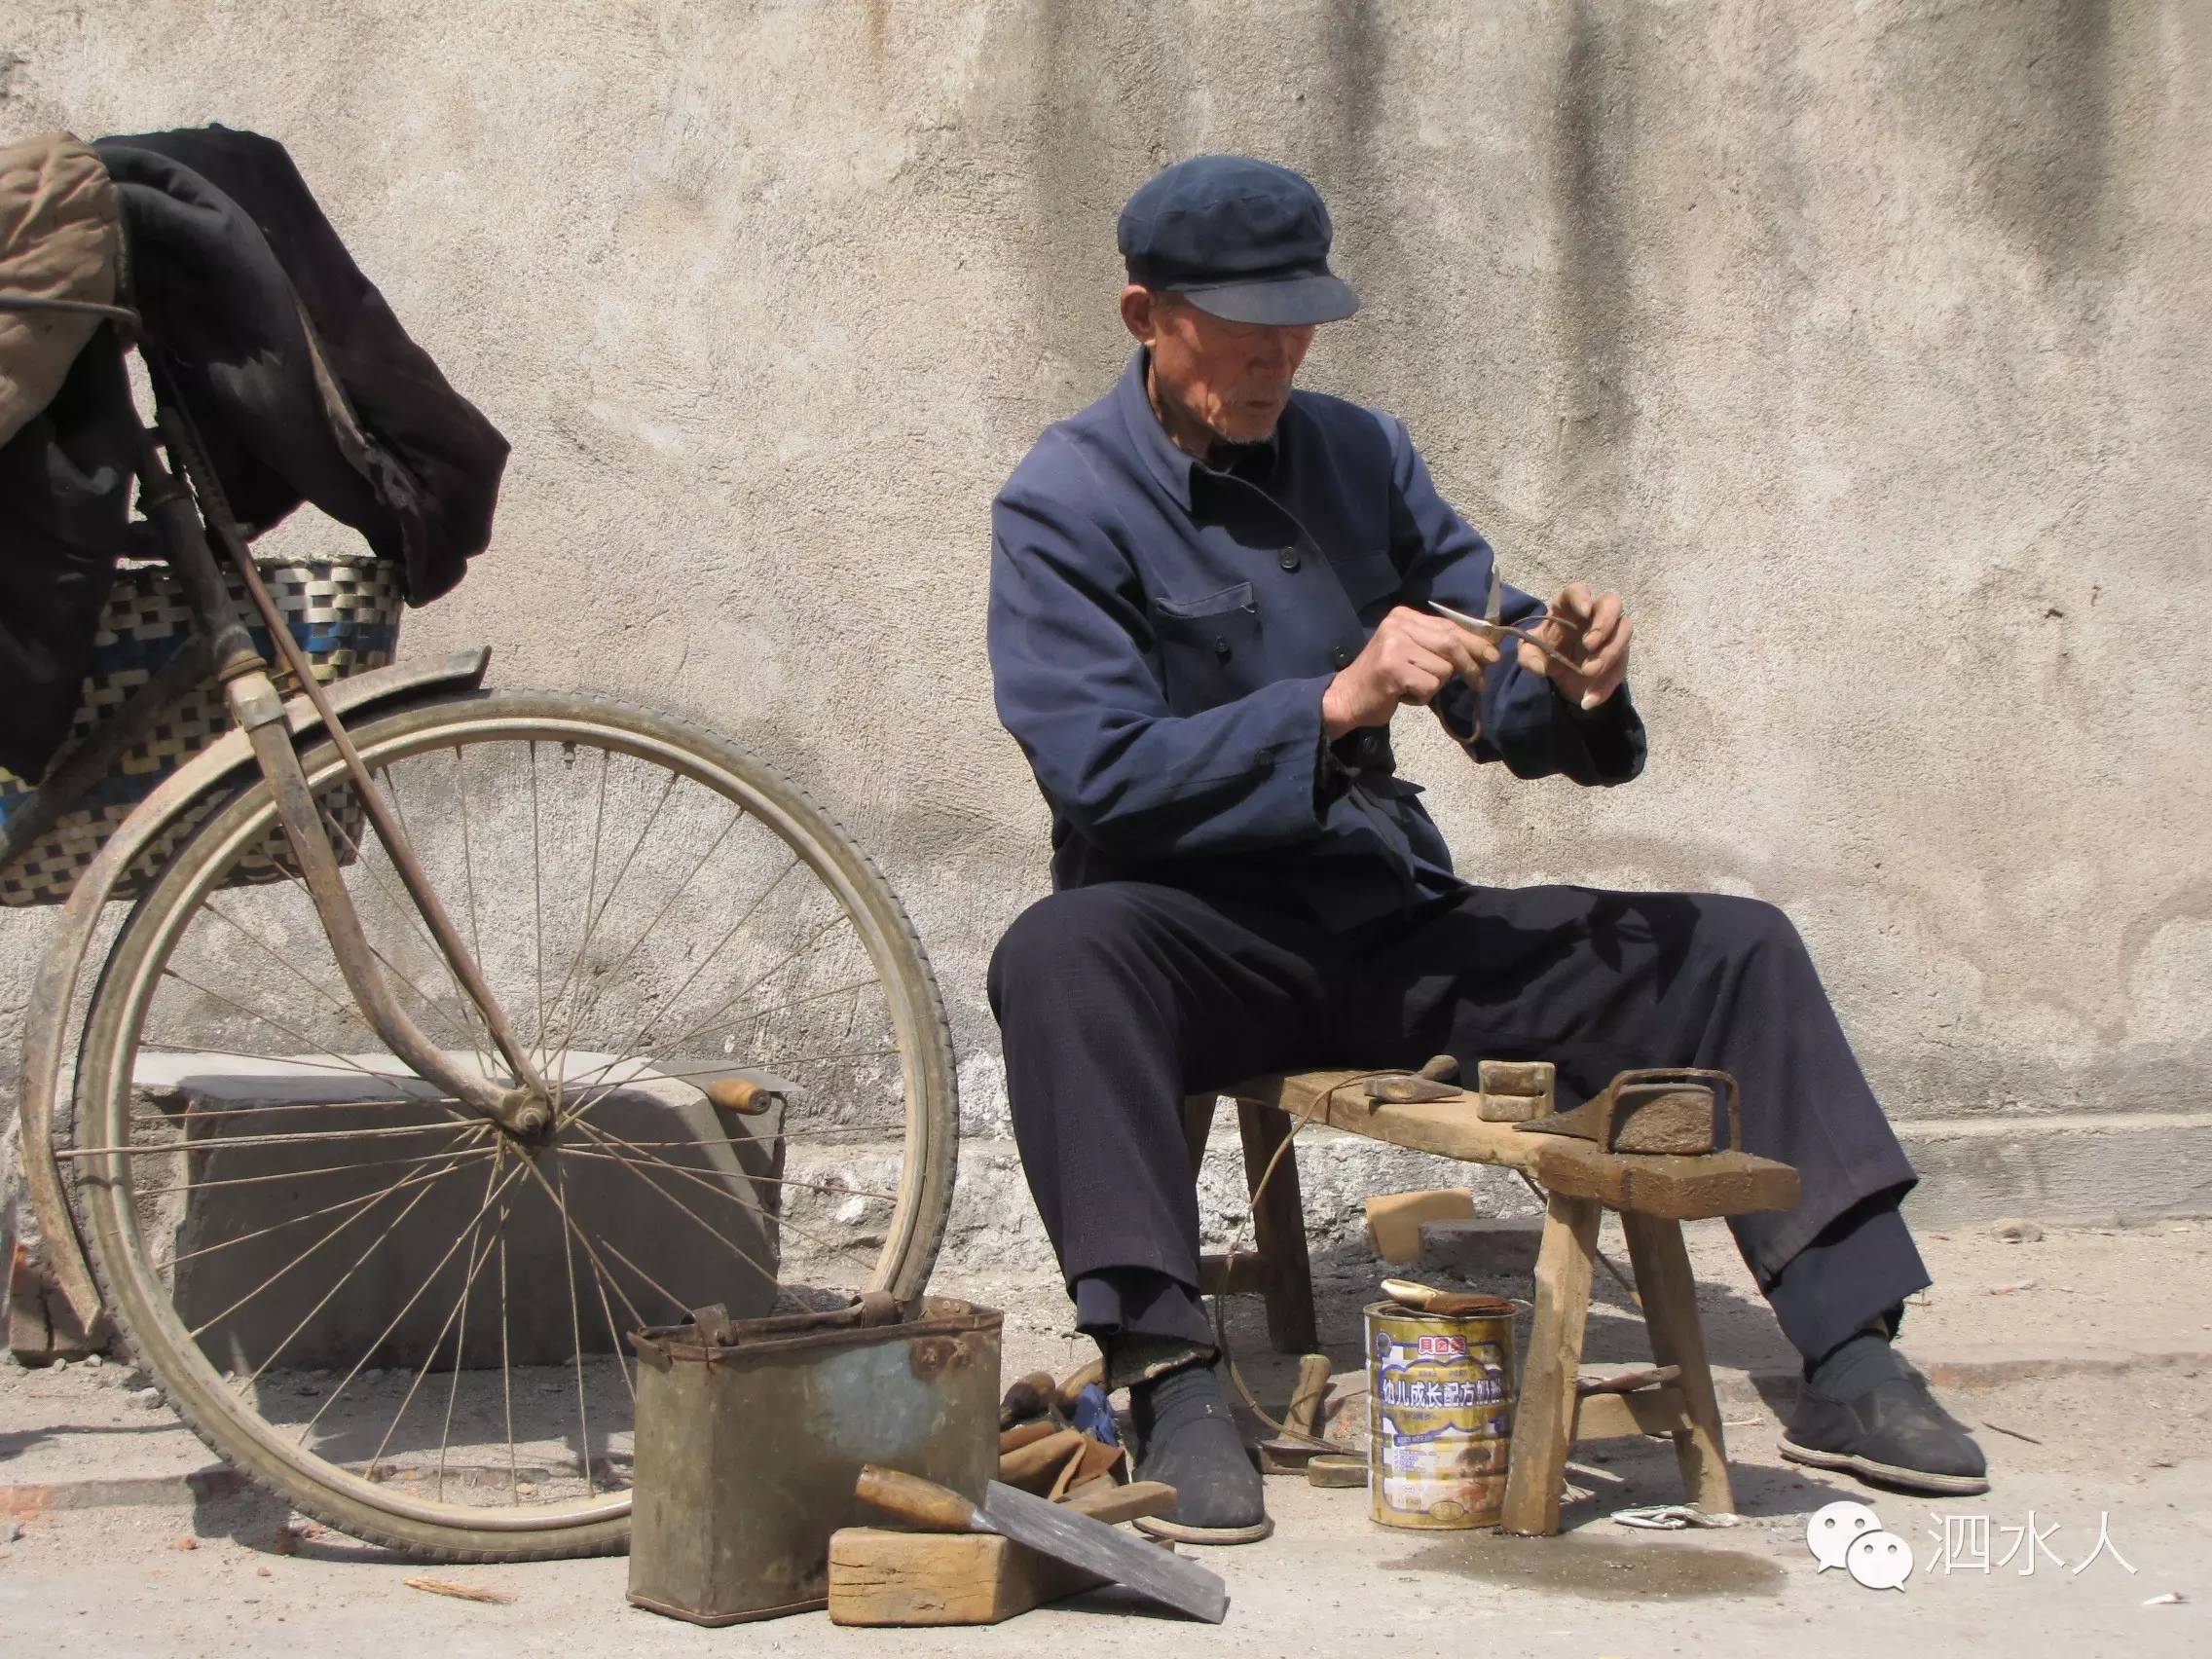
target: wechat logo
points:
(1849, 1535)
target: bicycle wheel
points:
(405, 1319)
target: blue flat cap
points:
(1243, 240)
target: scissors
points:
(1498, 633)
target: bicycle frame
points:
(183, 515)
(183, 510)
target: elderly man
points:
(1208, 598)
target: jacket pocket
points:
(1209, 647)
(1229, 599)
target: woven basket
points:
(345, 614)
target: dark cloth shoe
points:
(1893, 1433)
(1187, 1437)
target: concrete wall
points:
(1861, 346)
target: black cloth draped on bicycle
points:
(233, 269)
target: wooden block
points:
(1394, 1220)
(1624, 1416)
(1515, 1091)
(1337, 1469)
(881, 1577)
(1303, 1416)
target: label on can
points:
(1442, 1418)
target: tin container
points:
(751, 1433)
(1440, 1393)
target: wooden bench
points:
(1653, 1194)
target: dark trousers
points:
(1117, 1000)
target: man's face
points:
(1232, 376)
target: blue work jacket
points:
(1161, 631)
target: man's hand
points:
(1601, 648)
(1411, 657)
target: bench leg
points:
(1545, 1419)
(1278, 1228)
(1678, 1337)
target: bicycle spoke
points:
(269, 1020)
(468, 859)
(206, 1326)
(712, 1185)
(430, 1358)
(575, 1321)
(197, 1114)
(764, 1180)
(818, 996)
(224, 1143)
(537, 889)
(407, 1308)
(639, 1164)
(344, 1279)
(667, 789)
(165, 1263)
(631, 1048)
(303, 1175)
(760, 1062)
(674, 1301)
(752, 984)
(704, 1225)
(460, 1342)
(344, 1008)
(613, 1336)
(507, 1377)
(591, 892)
(661, 915)
(461, 999)
(344, 1064)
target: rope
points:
(1236, 1381)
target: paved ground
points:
(2082, 1357)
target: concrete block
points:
(249, 1286)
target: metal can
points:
(1440, 1406)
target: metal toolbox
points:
(752, 1432)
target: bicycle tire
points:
(146, 1320)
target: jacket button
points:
(1288, 559)
(1371, 744)
(1342, 656)
(1221, 647)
